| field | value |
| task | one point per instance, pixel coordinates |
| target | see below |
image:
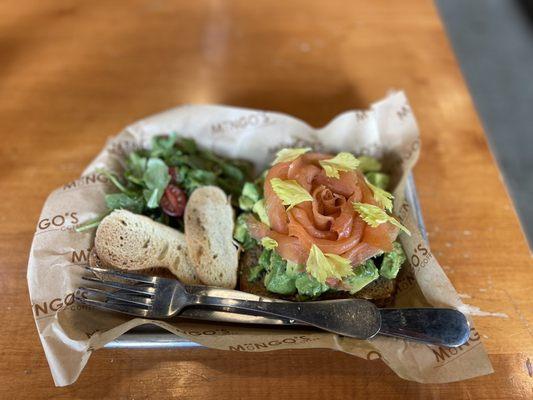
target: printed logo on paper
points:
(79, 256)
(406, 280)
(421, 256)
(231, 126)
(204, 332)
(301, 339)
(66, 221)
(404, 112)
(85, 181)
(51, 307)
(444, 355)
(123, 148)
(361, 116)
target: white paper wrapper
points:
(70, 332)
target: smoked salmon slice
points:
(289, 247)
(275, 209)
(329, 221)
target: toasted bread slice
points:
(163, 272)
(209, 234)
(129, 241)
(380, 291)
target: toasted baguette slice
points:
(209, 233)
(135, 242)
(162, 272)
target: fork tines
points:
(118, 291)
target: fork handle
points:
(349, 317)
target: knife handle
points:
(439, 326)
(354, 318)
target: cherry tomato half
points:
(173, 201)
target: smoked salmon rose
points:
(322, 200)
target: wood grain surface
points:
(74, 73)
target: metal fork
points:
(159, 298)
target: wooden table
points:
(72, 74)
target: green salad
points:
(156, 182)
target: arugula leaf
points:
(152, 197)
(181, 175)
(290, 192)
(123, 201)
(156, 179)
(196, 178)
(177, 159)
(390, 266)
(341, 162)
(187, 145)
(163, 146)
(197, 167)
(196, 161)
(93, 223)
(232, 172)
(113, 179)
(136, 166)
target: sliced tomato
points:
(173, 201)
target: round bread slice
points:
(162, 272)
(135, 242)
(209, 234)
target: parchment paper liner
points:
(70, 332)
